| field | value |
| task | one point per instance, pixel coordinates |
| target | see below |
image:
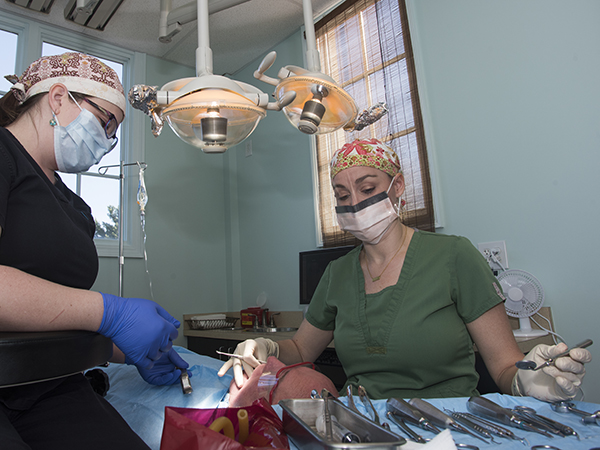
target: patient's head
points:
(292, 382)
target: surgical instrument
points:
(562, 428)
(327, 417)
(233, 355)
(533, 420)
(439, 418)
(487, 408)
(477, 424)
(339, 432)
(586, 417)
(351, 399)
(409, 431)
(407, 411)
(531, 365)
(540, 447)
(366, 401)
(186, 386)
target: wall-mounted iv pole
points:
(102, 171)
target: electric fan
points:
(524, 297)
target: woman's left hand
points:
(166, 370)
(556, 382)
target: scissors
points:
(233, 355)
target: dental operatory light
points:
(208, 111)
(321, 105)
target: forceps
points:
(531, 414)
(364, 398)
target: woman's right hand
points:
(142, 329)
(251, 350)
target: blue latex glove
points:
(166, 370)
(142, 329)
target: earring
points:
(53, 122)
(401, 209)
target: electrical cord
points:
(548, 330)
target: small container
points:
(247, 320)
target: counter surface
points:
(294, 319)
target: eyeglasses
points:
(111, 125)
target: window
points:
(8, 56)
(30, 40)
(365, 46)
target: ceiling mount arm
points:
(313, 60)
(204, 59)
(172, 20)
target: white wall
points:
(185, 217)
(274, 199)
(512, 104)
(513, 100)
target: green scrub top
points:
(409, 340)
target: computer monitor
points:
(312, 266)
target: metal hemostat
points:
(563, 407)
(186, 386)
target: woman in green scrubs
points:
(406, 307)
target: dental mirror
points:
(532, 365)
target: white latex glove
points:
(555, 382)
(252, 350)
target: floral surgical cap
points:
(78, 72)
(369, 153)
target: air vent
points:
(42, 6)
(91, 13)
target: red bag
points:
(187, 429)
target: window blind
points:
(365, 46)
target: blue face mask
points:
(81, 144)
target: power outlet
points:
(495, 254)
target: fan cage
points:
(533, 293)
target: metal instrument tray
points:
(211, 324)
(299, 417)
